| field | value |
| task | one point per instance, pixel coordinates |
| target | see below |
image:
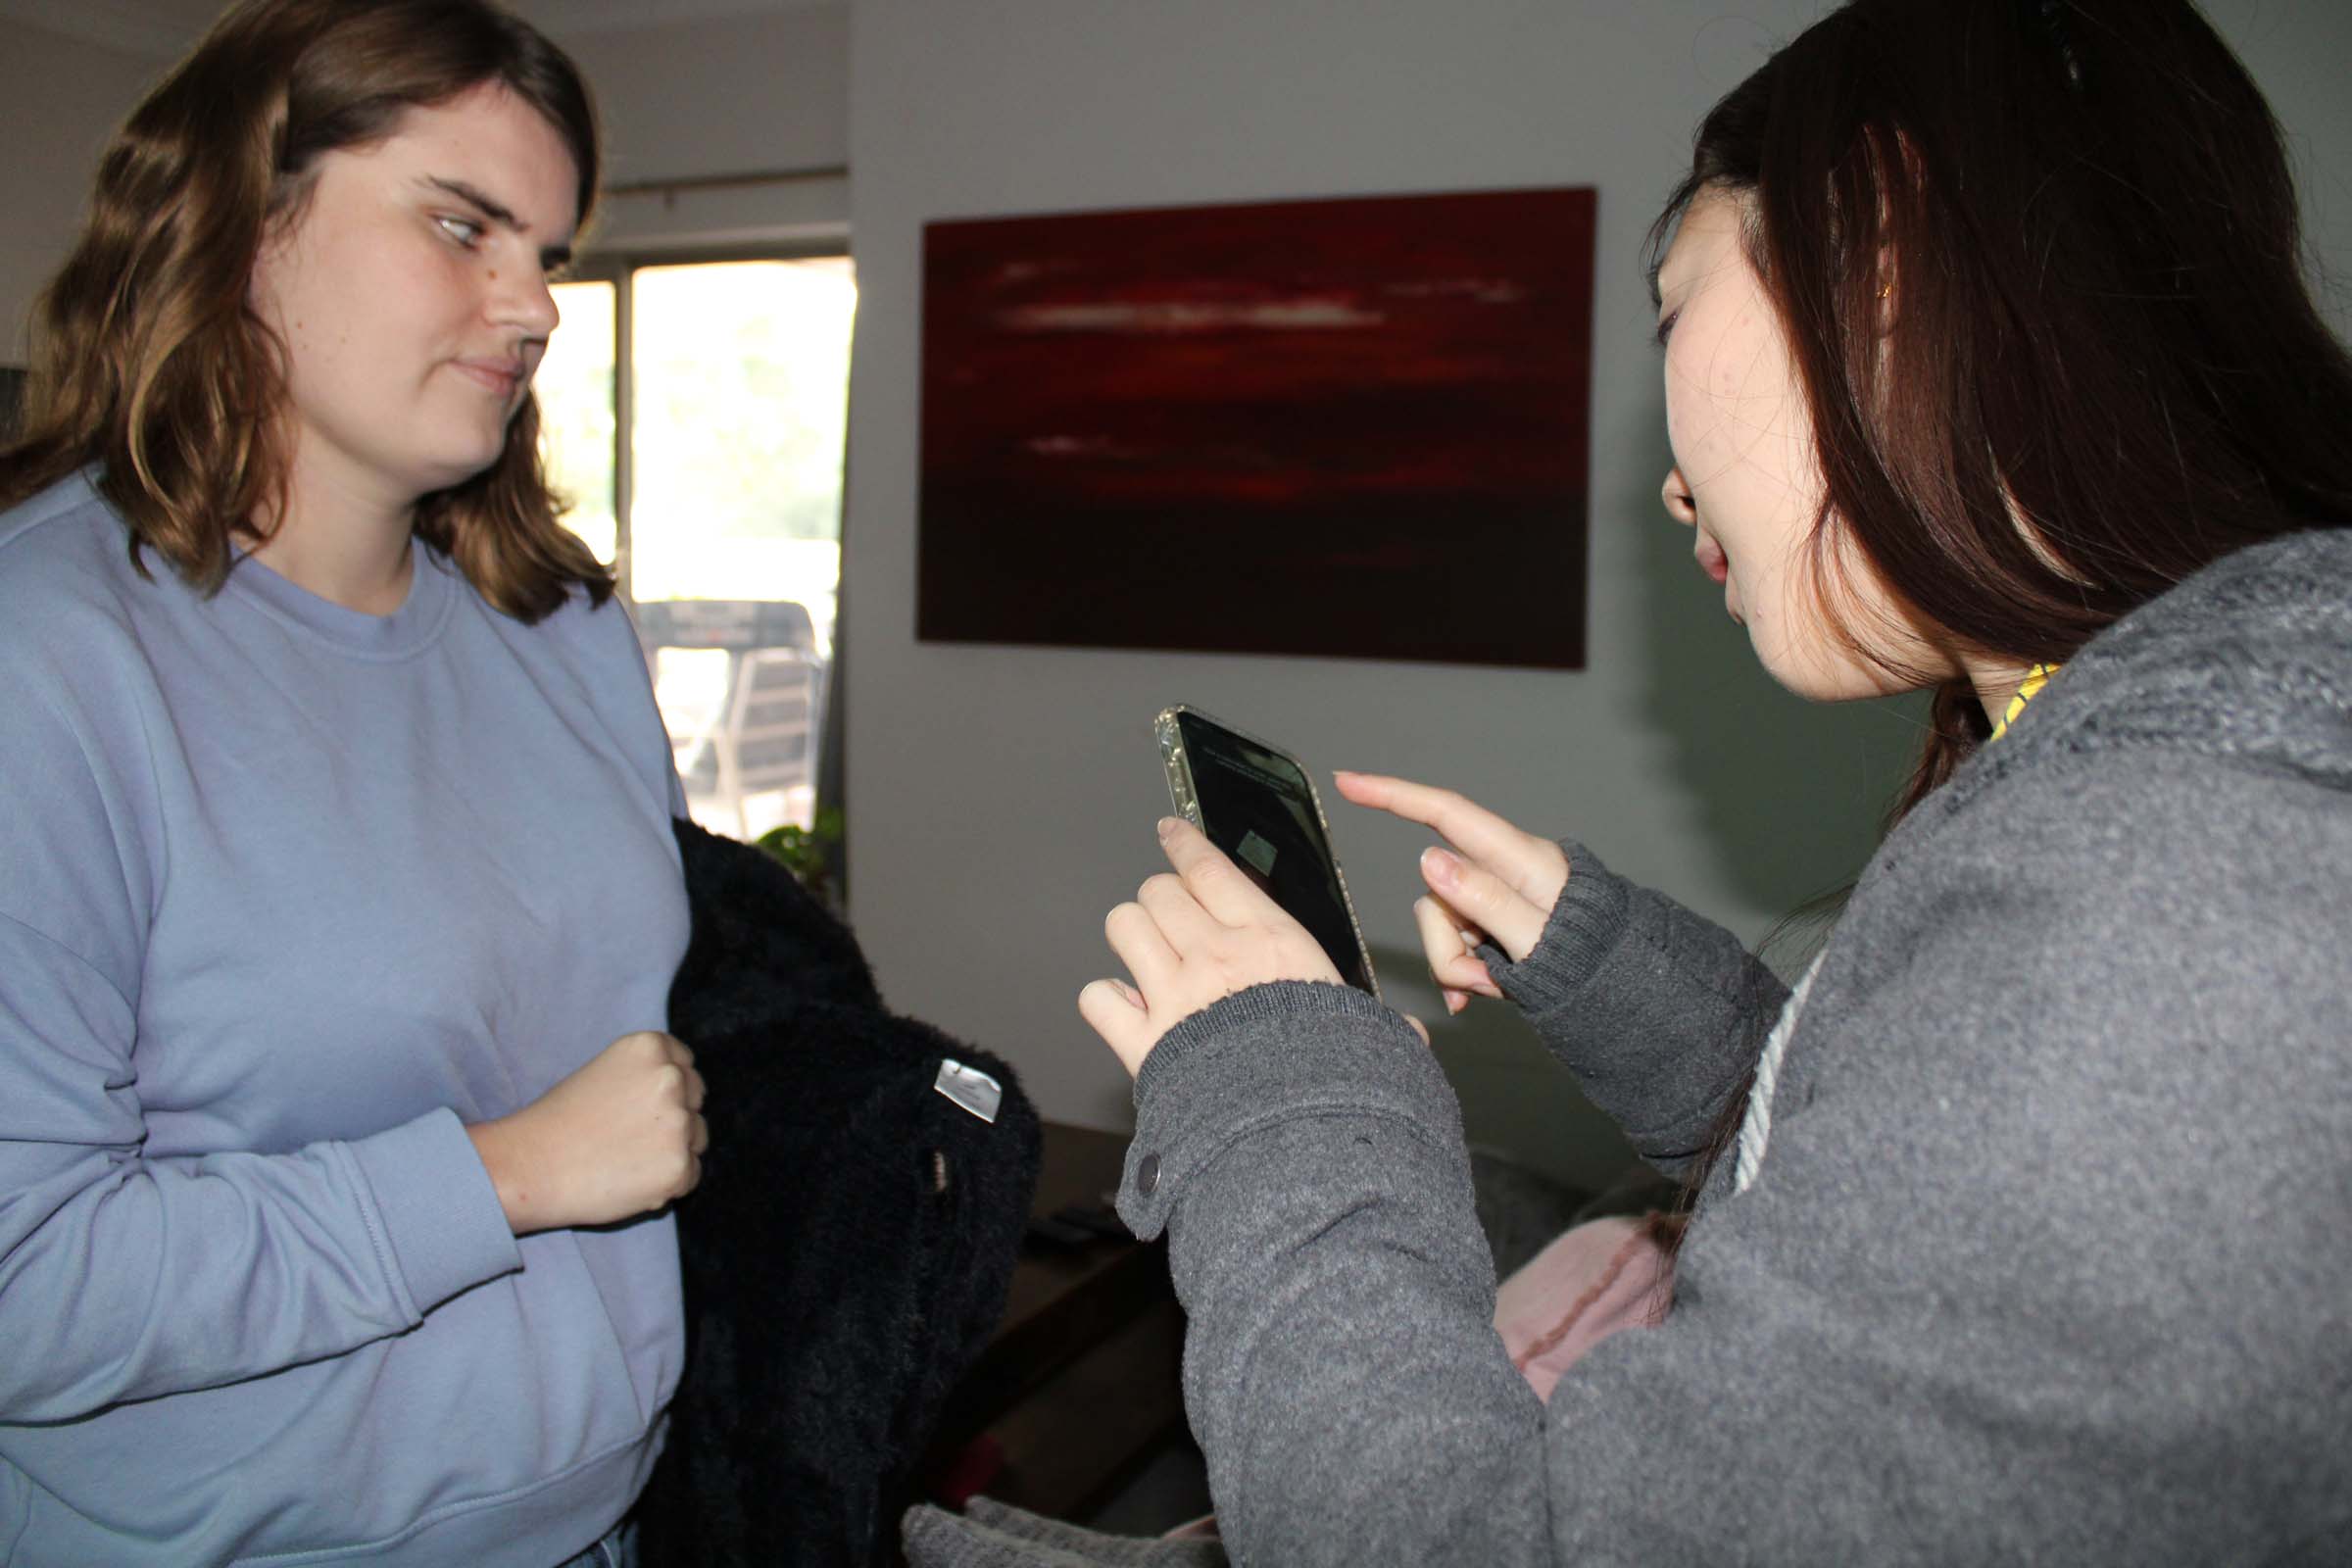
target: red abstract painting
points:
(1348, 427)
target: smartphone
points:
(1257, 803)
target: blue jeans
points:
(617, 1550)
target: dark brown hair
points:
(2039, 262)
(147, 360)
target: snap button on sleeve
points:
(1147, 1175)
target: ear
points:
(270, 260)
(281, 234)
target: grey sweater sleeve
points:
(1310, 1154)
(1906, 1342)
(1657, 1013)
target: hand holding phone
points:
(1220, 925)
(1191, 939)
(1258, 804)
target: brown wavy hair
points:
(147, 360)
(2039, 267)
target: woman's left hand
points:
(1190, 939)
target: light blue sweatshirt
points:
(288, 895)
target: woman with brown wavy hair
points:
(338, 897)
(1989, 369)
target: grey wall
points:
(63, 99)
(1002, 798)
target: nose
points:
(520, 297)
(1676, 493)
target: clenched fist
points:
(618, 1138)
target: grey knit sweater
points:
(2050, 1256)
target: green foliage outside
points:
(806, 852)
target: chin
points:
(1842, 683)
(456, 468)
(1817, 674)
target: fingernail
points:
(1440, 867)
(1167, 829)
(1455, 1001)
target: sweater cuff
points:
(1265, 1056)
(441, 1223)
(1585, 921)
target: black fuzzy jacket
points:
(846, 1253)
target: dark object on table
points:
(1077, 1225)
(847, 1254)
(1096, 1219)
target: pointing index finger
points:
(1529, 865)
(1466, 825)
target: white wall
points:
(1002, 798)
(743, 95)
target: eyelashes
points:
(1666, 327)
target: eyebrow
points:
(552, 256)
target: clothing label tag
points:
(970, 1088)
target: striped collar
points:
(2035, 679)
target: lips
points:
(1711, 559)
(498, 376)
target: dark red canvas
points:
(1353, 427)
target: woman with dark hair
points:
(2019, 1222)
(340, 903)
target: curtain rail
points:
(698, 182)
